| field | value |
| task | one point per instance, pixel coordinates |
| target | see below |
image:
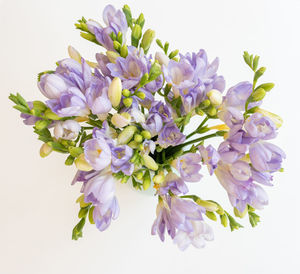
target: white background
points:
(37, 203)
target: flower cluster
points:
(123, 118)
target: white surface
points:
(37, 203)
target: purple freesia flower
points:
(154, 123)
(100, 191)
(237, 181)
(201, 232)
(52, 85)
(174, 213)
(170, 135)
(115, 21)
(130, 69)
(210, 157)
(97, 96)
(162, 109)
(120, 160)
(266, 156)
(97, 153)
(173, 183)
(261, 127)
(189, 166)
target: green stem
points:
(216, 134)
(199, 127)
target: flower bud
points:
(141, 95)
(224, 220)
(204, 104)
(136, 35)
(121, 120)
(215, 97)
(117, 46)
(127, 102)
(124, 51)
(39, 106)
(115, 91)
(239, 214)
(41, 124)
(74, 54)
(274, 117)
(155, 71)
(139, 175)
(162, 58)
(67, 130)
(138, 138)
(81, 201)
(149, 162)
(146, 134)
(125, 179)
(45, 150)
(211, 215)
(146, 180)
(210, 206)
(126, 92)
(173, 53)
(147, 39)
(211, 111)
(82, 164)
(126, 135)
(257, 95)
(51, 115)
(112, 56)
(133, 144)
(159, 178)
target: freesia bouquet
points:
(123, 119)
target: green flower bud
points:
(75, 151)
(149, 162)
(141, 95)
(220, 210)
(204, 104)
(259, 73)
(126, 92)
(82, 164)
(147, 39)
(266, 86)
(124, 51)
(257, 95)
(41, 124)
(83, 212)
(209, 206)
(70, 160)
(112, 56)
(211, 215)
(211, 111)
(127, 102)
(81, 201)
(159, 178)
(133, 144)
(45, 150)
(138, 138)
(215, 97)
(239, 214)
(136, 35)
(146, 134)
(126, 135)
(128, 15)
(125, 179)
(113, 36)
(141, 20)
(155, 71)
(224, 220)
(146, 180)
(120, 37)
(51, 115)
(117, 46)
(139, 175)
(89, 37)
(40, 106)
(199, 111)
(91, 219)
(173, 53)
(144, 79)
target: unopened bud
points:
(141, 95)
(146, 180)
(124, 51)
(138, 138)
(159, 178)
(82, 164)
(155, 71)
(115, 91)
(210, 206)
(81, 201)
(146, 134)
(127, 102)
(74, 54)
(112, 56)
(204, 104)
(211, 111)
(121, 120)
(149, 162)
(126, 92)
(139, 175)
(173, 53)
(51, 115)
(45, 150)
(126, 135)
(224, 220)
(162, 58)
(136, 35)
(215, 97)
(133, 144)
(257, 95)
(147, 39)
(40, 106)
(41, 124)
(211, 215)
(239, 214)
(117, 46)
(125, 179)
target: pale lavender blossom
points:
(67, 130)
(210, 157)
(173, 183)
(162, 109)
(170, 135)
(189, 166)
(154, 123)
(201, 233)
(120, 160)
(115, 21)
(102, 61)
(52, 85)
(266, 156)
(237, 181)
(97, 153)
(130, 69)
(261, 127)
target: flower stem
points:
(199, 127)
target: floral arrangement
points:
(123, 119)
